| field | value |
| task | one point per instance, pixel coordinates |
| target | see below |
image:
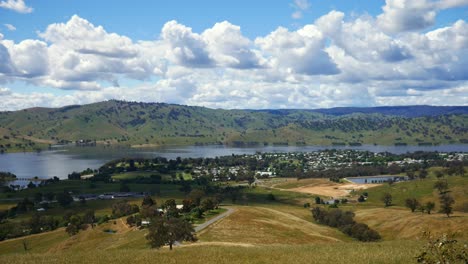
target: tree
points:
(89, 217)
(186, 187)
(208, 204)
(49, 196)
(25, 205)
(122, 208)
(412, 204)
(124, 187)
(147, 201)
(196, 195)
(439, 174)
(166, 231)
(171, 208)
(187, 205)
(441, 186)
(74, 176)
(429, 207)
(446, 202)
(74, 226)
(423, 174)
(31, 185)
(317, 200)
(64, 199)
(38, 197)
(387, 199)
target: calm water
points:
(62, 161)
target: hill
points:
(261, 230)
(406, 111)
(155, 124)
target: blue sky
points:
(234, 54)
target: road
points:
(214, 219)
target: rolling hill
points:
(154, 124)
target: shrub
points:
(344, 221)
(444, 249)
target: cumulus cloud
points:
(186, 48)
(84, 54)
(411, 15)
(334, 61)
(16, 5)
(229, 47)
(300, 52)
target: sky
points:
(234, 54)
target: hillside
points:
(154, 124)
(406, 111)
(260, 230)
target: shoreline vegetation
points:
(158, 146)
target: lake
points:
(63, 160)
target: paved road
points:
(214, 219)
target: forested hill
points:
(151, 124)
(406, 111)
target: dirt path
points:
(214, 219)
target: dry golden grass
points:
(260, 225)
(386, 252)
(402, 224)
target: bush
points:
(271, 197)
(444, 249)
(344, 221)
(122, 208)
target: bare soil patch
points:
(332, 189)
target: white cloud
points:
(411, 15)
(82, 54)
(297, 15)
(186, 48)
(335, 61)
(16, 5)
(300, 6)
(10, 27)
(298, 52)
(229, 48)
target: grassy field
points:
(82, 187)
(422, 190)
(386, 252)
(146, 174)
(268, 226)
(251, 225)
(250, 235)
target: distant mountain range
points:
(154, 124)
(406, 111)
